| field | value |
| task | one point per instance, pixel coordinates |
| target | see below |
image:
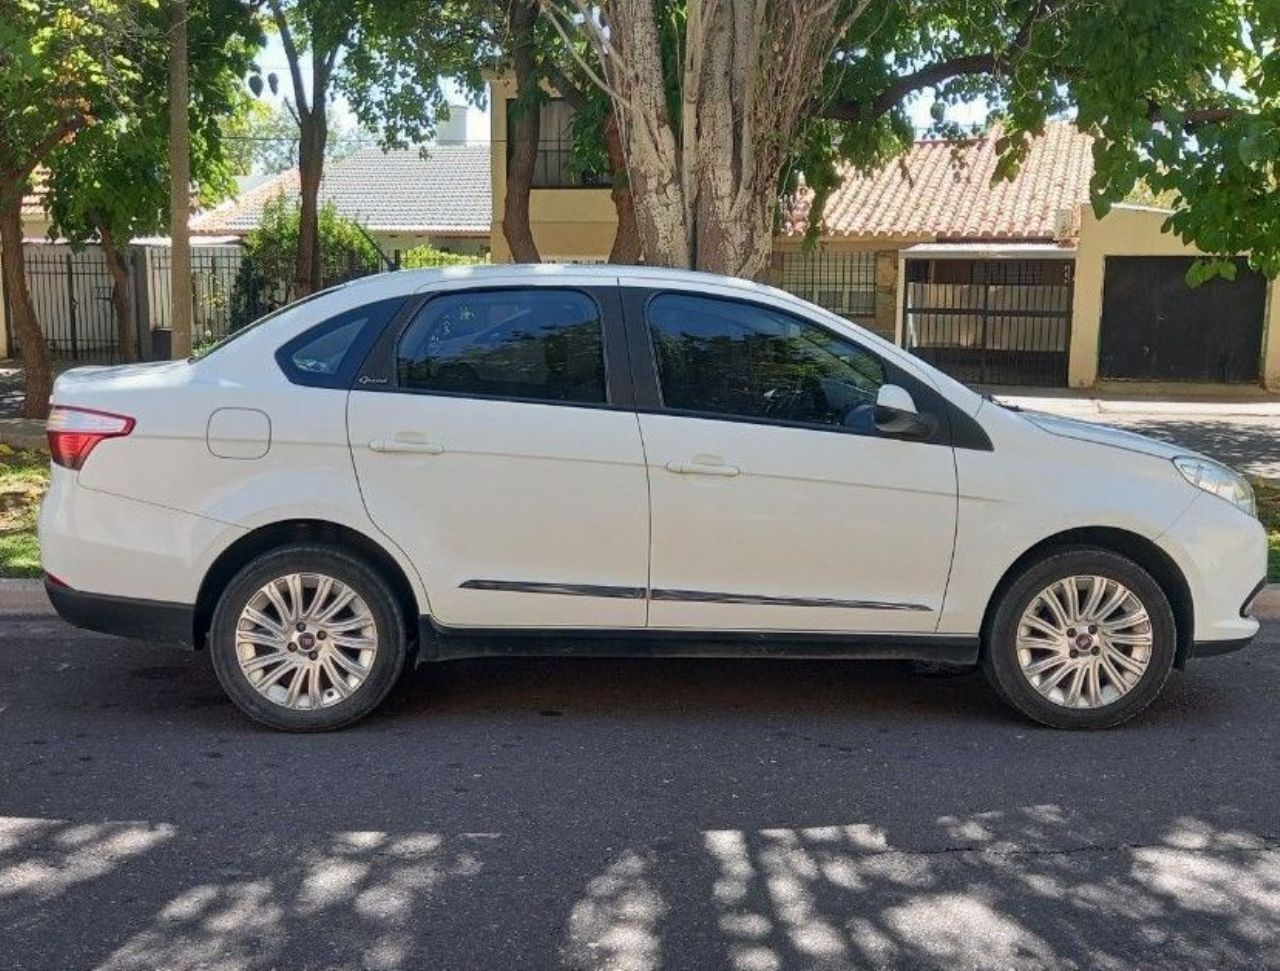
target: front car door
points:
(495, 441)
(776, 504)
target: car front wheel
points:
(1085, 638)
(307, 638)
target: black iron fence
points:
(72, 290)
(72, 296)
(844, 283)
(991, 322)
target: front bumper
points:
(148, 620)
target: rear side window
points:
(538, 344)
(327, 355)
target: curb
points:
(1202, 410)
(23, 597)
(26, 433)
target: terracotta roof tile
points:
(943, 190)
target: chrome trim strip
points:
(682, 596)
(704, 596)
(561, 589)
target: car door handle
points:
(396, 445)
(702, 468)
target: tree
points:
(112, 182)
(386, 60)
(716, 100)
(708, 113)
(270, 252)
(60, 63)
(264, 138)
(539, 58)
(180, 309)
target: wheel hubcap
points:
(306, 641)
(1084, 641)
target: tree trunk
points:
(22, 315)
(525, 129)
(313, 133)
(120, 299)
(704, 174)
(626, 240)
(179, 186)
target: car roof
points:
(410, 281)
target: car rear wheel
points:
(1085, 638)
(307, 638)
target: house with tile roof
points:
(403, 198)
(998, 282)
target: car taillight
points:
(75, 432)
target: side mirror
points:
(897, 416)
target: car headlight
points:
(1219, 480)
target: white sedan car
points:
(526, 460)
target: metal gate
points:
(1156, 328)
(991, 321)
(71, 293)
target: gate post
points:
(71, 307)
(141, 302)
(7, 314)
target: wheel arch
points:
(282, 533)
(1130, 545)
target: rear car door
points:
(776, 503)
(495, 441)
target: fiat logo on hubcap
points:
(307, 641)
(1084, 642)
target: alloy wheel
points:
(306, 641)
(1084, 641)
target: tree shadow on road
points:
(632, 814)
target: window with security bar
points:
(844, 283)
(556, 167)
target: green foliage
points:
(1183, 97)
(265, 280)
(387, 59)
(114, 176)
(264, 138)
(425, 256)
(61, 63)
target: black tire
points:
(1000, 655)
(309, 558)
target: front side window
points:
(538, 344)
(745, 360)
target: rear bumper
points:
(148, 620)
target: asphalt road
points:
(629, 814)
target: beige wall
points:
(1136, 231)
(567, 224)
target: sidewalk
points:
(1089, 401)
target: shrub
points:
(265, 279)
(428, 256)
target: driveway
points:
(632, 815)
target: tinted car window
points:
(539, 344)
(750, 361)
(328, 353)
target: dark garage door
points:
(1156, 328)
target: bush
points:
(428, 256)
(265, 279)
